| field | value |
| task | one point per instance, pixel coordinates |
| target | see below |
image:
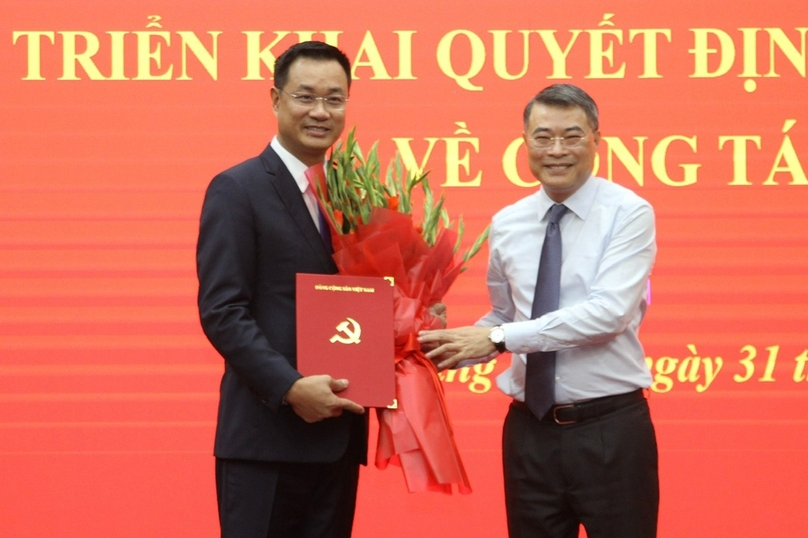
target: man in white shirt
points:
(589, 456)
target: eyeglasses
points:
(548, 142)
(308, 100)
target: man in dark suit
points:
(288, 447)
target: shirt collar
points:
(295, 166)
(580, 202)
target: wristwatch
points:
(497, 337)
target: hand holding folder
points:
(314, 398)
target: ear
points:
(275, 95)
(596, 138)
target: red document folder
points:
(345, 330)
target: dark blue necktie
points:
(540, 373)
(325, 232)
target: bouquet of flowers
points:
(373, 234)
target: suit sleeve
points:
(226, 266)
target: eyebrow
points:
(544, 130)
(310, 89)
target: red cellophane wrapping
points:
(417, 436)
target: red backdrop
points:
(114, 117)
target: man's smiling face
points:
(307, 133)
(561, 170)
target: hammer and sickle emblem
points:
(351, 331)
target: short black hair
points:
(565, 96)
(315, 50)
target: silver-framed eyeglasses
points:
(544, 142)
(309, 100)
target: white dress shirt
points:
(298, 169)
(608, 251)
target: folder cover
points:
(345, 330)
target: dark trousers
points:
(286, 500)
(601, 472)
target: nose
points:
(319, 110)
(557, 148)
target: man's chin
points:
(320, 142)
(557, 181)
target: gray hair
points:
(565, 96)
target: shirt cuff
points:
(520, 336)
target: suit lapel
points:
(288, 191)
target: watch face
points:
(497, 337)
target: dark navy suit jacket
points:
(255, 234)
